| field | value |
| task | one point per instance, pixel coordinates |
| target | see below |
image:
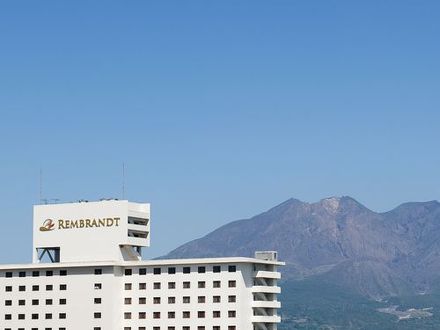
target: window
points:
(142, 315)
(22, 274)
(232, 327)
(8, 317)
(216, 327)
(98, 286)
(156, 285)
(171, 270)
(97, 315)
(171, 300)
(201, 269)
(62, 316)
(142, 301)
(186, 285)
(63, 272)
(48, 316)
(156, 315)
(232, 284)
(232, 313)
(49, 302)
(63, 287)
(201, 314)
(201, 299)
(142, 271)
(62, 301)
(21, 316)
(171, 285)
(97, 301)
(8, 302)
(21, 288)
(127, 286)
(127, 315)
(185, 328)
(49, 273)
(8, 274)
(216, 299)
(186, 299)
(49, 287)
(216, 284)
(35, 302)
(171, 315)
(186, 270)
(8, 288)
(156, 300)
(35, 273)
(34, 316)
(216, 314)
(232, 268)
(127, 301)
(35, 287)
(128, 272)
(186, 314)
(201, 327)
(142, 286)
(156, 271)
(21, 302)
(201, 284)
(216, 269)
(98, 271)
(232, 299)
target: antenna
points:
(41, 185)
(45, 200)
(123, 180)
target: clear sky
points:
(219, 109)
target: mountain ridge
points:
(377, 254)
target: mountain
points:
(341, 242)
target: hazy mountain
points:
(340, 241)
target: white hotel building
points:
(87, 274)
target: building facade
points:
(87, 274)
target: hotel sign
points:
(50, 224)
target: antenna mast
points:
(123, 180)
(41, 185)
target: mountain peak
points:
(331, 204)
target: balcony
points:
(266, 274)
(266, 289)
(266, 304)
(266, 319)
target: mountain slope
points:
(375, 254)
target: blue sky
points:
(220, 110)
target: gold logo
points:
(48, 225)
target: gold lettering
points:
(88, 223)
